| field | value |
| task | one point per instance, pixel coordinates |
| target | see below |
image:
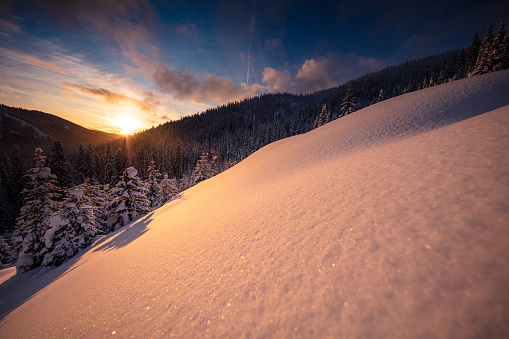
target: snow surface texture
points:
(392, 222)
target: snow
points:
(388, 223)
(77, 194)
(131, 172)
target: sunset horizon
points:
(99, 63)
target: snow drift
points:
(390, 222)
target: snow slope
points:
(392, 222)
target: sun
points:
(126, 124)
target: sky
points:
(119, 66)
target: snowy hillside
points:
(389, 223)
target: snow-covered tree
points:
(168, 189)
(59, 165)
(484, 59)
(40, 204)
(96, 196)
(122, 158)
(109, 171)
(380, 96)
(203, 169)
(152, 184)
(472, 53)
(72, 228)
(129, 200)
(348, 104)
(323, 117)
(498, 53)
(185, 183)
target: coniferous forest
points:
(53, 202)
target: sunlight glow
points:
(126, 124)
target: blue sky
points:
(97, 62)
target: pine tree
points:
(185, 183)
(40, 204)
(97, 197)
(348, 104)
(89, 169)
(72, 229)
(380, 96)
(472, 53)
(79, 165)
(168, 190)
(59, 165)
(152, 184)
(484, 59)
(203, 169)
(130, 200)
(323, 117)
(122, 159)
(497, 56)
(505, 52)
(109, 173)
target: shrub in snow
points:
(72, 229)
(129, 200)
(33, 222)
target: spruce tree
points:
(41, 197)
(484, 59)
(472, 53)
(79, 165)
(72, 229)
(59, 165)
(348, 104)
(168, 190)
(380, 96)
(109, 173)
(497, 56)
(323, 117)
(152, 184)
(122, 159)
(130, 200)
(203, 169)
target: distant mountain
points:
(30, 129)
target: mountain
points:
(30, 129)
(387, 223)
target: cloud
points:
(201, 88)
(317, 74)
(148, 104)
(277, 81)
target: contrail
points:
(249, 49)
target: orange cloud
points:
(149, 103)
(41, 63)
